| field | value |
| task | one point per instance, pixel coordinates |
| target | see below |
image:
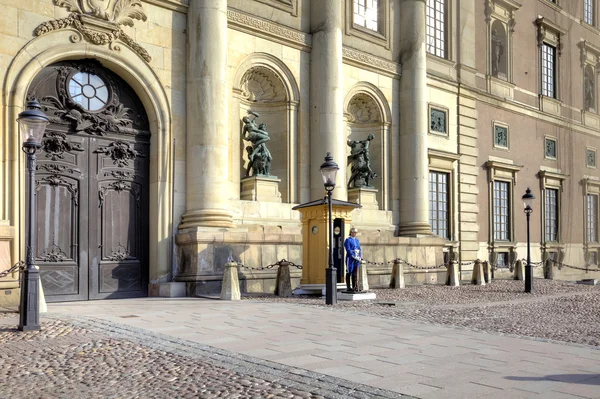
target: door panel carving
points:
(91, 185)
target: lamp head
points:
(528, 199)
(329, 172)
(32, 123)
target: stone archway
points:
(127, 64)
(264, 84)
(366, 112)
(91, 184)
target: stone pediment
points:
(99, 22)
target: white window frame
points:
(554, 181)
(504, 171)
(434, 32)
(592, 188)
(369, 16)
(589, 12)
(381, 36)
(446, 162)
(439, 201)
(549, 34)
(548, 71)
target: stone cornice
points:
(367, 61)
(174, 5)
(247, 23)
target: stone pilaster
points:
(326, 95)
(468, 170)
(207, 100)
(414, 172)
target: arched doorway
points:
(91, 184)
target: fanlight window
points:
(88, 90)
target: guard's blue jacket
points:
(353, 254)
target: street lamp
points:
(32, 123)
(329, 172)
(527, 208)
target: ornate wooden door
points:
(91, 185)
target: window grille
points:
(501, 211)
(366, 13)
(592, 218)
(551, 214)
(439, 204)
(588, 12)
(548, 70)
(502, 260)
(436, 27)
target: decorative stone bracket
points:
(98, 23)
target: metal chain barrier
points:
(278, 263)
(20, 265)
(406, 263)
(560, 265)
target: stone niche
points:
(263, 91)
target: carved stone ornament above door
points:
(99, 22)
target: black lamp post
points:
(527, 204)
(329, 172)
(32, 123)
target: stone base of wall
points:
(203, 252)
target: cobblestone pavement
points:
(85, 358)
(556, 310)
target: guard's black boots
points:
(354, 282)
(348, 281)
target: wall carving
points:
(247, 23)
(56, 144)
(53, 254)
(118, 186)
(370, 62)
(99, 22)
(119, 253)
(363, 109)
(114, 117)
(120, 152)
(262, 84)
(55, 181)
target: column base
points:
(167, 290)
(414, 229)
(207, 217)
(367, 197)
(261, 188)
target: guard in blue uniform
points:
(353, 257)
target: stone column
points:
(414, 171)
(207, 98)
(326, 95)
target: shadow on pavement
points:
(590, 379)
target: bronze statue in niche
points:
(498, 51)
(259, 156)
(360, 160)
(589, 89)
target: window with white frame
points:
(501, 211)
(439, 203)
(548, 70)
(366, 14)
(436, 27)
(588, 12)
(592, 218)
(551, 214)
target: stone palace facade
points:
(141, 180)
